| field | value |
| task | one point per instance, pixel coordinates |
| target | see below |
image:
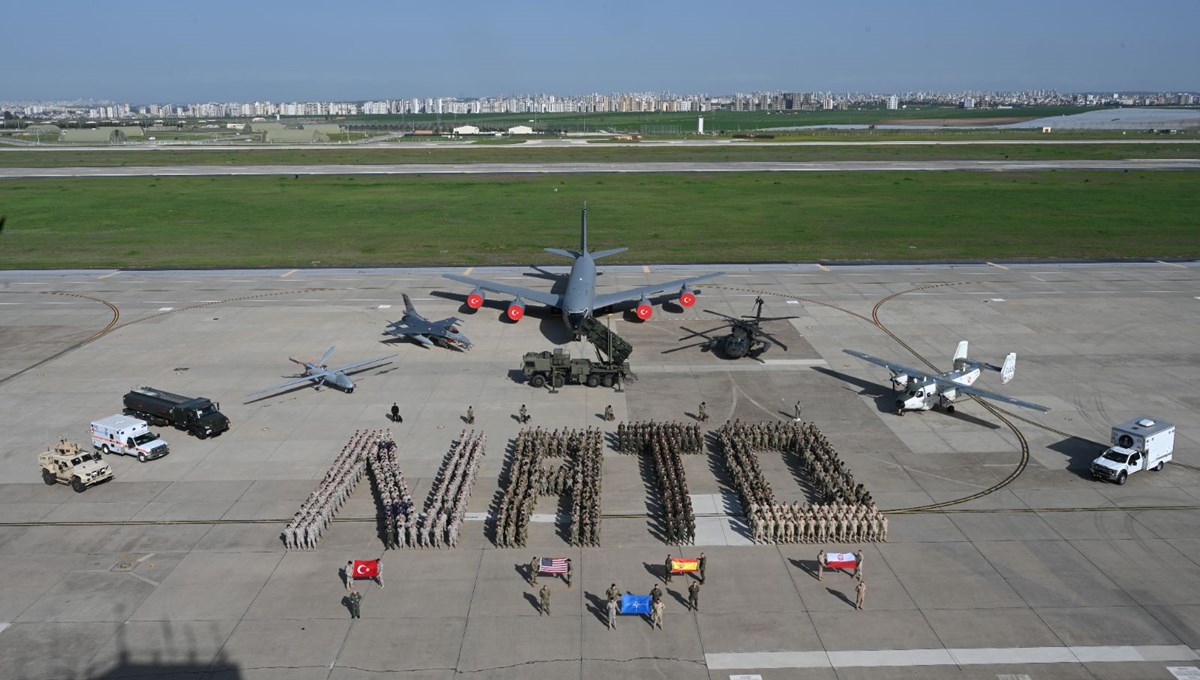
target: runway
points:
(176, 567)
(601, 168)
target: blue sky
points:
(219, 50)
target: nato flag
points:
(635, 604)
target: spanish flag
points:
(682, 566)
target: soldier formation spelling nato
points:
(315, 514)
(664, 443)
(579, 475)
(440, 524)
(847, 513)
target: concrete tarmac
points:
(176, 568)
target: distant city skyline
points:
(139, 51)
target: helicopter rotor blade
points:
(700, 334)
(680, 349)
(723, 316)
(774, 340)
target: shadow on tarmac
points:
(1080, 453)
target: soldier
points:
(570, 572)
(860, 594)
(656, 593)
(613, 593)
(379, 572)
(609, 416)
(694, 596)
(702, 564)
(667, 570)
(821, 565)
(348, 575)
(396, 413)
(656, 613)
(533, 570)
(797, 410)
(355, 601)
(702, 416)
(545, 600)
(612, 612)
(523, 415)
(470, 415)
(858, 565)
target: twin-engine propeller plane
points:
(579, 299)
(921, 391)
(318, 373)
(428, 333)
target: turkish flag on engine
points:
(841, 560)
(366, 568)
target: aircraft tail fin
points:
(583, 229)
(565, 253)
(960, 356)
(408, 305)
(1009, 369)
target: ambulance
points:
(127, 436)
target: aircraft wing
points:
(608, 299)
(297, 381)
(407, 327)
(894, 368)
(360, 364)
(541, 297)
(995, 396)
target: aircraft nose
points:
(574, 319)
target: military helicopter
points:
(746, 336)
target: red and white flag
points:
(366, 568)
(553, 565)
(841, 560)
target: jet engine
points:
(475, 299)
(687, 297)
(644, 310)
(516, 310)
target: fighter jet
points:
(922, 391)
(579, 299)
(318, 373)
(428, 333)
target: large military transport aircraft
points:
(579, 299)
(926, 391)
(318, 373)
(428, 333)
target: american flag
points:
(553, 565)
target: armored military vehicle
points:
(70, 463)
(558, 368)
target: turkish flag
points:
(366, 568)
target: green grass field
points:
(476, 220)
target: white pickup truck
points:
(1140, 444)
(127, 436)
